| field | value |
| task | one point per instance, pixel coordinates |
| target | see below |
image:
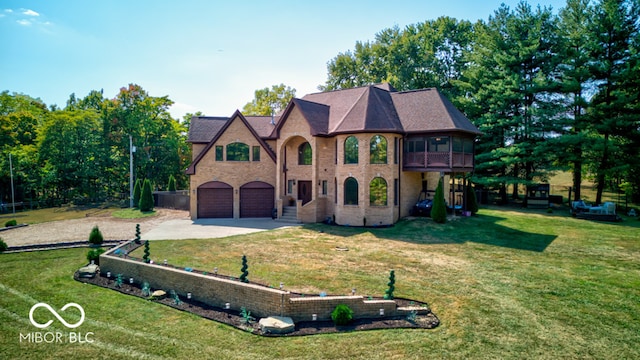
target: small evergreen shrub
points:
(472, 200)
(11, 222)
(147, 253)
(172, 183)
(245, 271)
(146, 198)
(3, 246)
(388, 295)
(146, 289)
(94, 254)
(95, 237)
(137, 234)
(342, 315)
(439, 207)
(137, 190)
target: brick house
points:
(360, 156)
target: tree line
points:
(549, 91)
(80, 153)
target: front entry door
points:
(304, 191)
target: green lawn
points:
(505, 284)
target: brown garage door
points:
(215, 200)
(256, 199)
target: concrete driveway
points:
(210, 228)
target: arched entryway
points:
(256, 199)
(215, 200)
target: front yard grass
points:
(504, 284)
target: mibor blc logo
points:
(56, 336)
(55, 313)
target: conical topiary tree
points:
(245, 271)
(95, 236)
(137, 190)
(172, 183)
(472, 201)
(439, 207)
(146, 198)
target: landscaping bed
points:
(234, 318)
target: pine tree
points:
(439, 207)
(137, 189)
(146, 198)
(95, 237)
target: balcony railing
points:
(438, 160)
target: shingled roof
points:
(374, 108)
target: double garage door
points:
(215, 200)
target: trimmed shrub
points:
(472, 201)
(137, 190)
(172, 183)
(3, 246)
(147, 253)
(94, 254)
(245, 271)
(342, 315)
(388, 295)
(146, 198)
(11, 222)
(95, 237)
(439, 207)
(137, 234)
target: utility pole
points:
(13, 201)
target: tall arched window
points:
(351, 191)
(304, 154)
(237, 152)
(378, 150)
(378, 192)
(351, 150)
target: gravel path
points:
(79, 229)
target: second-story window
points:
(304, 154)
(238, 152)
(351, 150)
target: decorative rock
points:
(158, 294)
(277, 325)
(88, 271)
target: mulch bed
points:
(235, 319)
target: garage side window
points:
(351, 191)
(237, 152)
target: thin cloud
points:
(30, 12)
(8, 11)
(24, 22)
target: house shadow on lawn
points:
(482, 229)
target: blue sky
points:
(207, 56)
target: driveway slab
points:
(210, 228)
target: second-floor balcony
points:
(438, 153)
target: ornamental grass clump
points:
(342, 315)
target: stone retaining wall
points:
(217, 291)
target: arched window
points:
(237, 152)
(351, 191)
(351, 150)
(378, 192)
(304, 154)
(378, 150)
